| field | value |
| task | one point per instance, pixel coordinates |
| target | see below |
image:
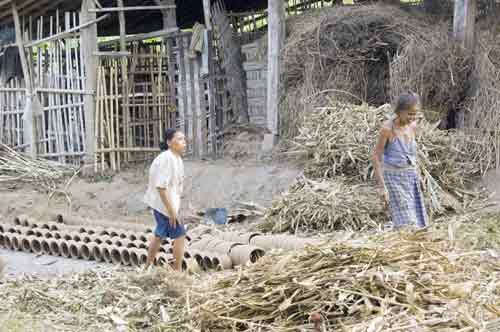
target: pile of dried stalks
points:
(347, 51)
(107, 300)
(338, 140)
(407, 282)
(16, 167)
(326, 206)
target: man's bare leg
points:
(178, 251)
(154, 246)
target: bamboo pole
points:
(122, 9)
(68, 32)
(112, 120)
(29, 119)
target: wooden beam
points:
(89, 47)
(464, 19)
(127, 9)
(66, 33)
(29, 116)
(275, 40)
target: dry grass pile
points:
(112, 300)
(325, 205)
(346, 51)
(408, 282)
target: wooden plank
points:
(68, 32)
(122, 9)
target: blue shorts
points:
(164, 229)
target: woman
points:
(395, 163)
(164, 196)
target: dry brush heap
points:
(406, 282)
(399, 282)
(336, 191)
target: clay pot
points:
(55, 247)
(220, 261)
(64, 249)
(86, 250)
(243, 238)
(97, 253)
(16, 242)
(125, 256)
(8, 241)
(74, 249)
(114, 252)
(46, 246)
(21, 220)
(242, 254)
(106, 254)
(36, 246)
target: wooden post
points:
(126, 87)
(275, 39)
(207, 13)
(169, 15)
(464, 22)
(29, 116)
(211, 75)
(464, 33)
(89, 47)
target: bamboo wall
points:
(140, 92)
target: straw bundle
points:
(325, 205)
(407, 282)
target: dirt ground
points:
(219, 183)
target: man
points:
(164, 197)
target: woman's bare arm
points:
(377, 155)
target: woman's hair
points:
(406, 101)
(169, 135)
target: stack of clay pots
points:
(89, 242)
